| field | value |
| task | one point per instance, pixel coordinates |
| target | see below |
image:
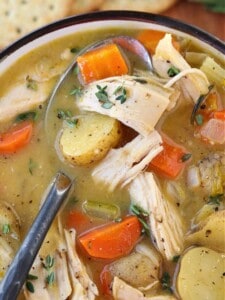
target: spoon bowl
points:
(127, 43)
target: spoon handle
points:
(19, 269)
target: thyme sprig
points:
(142, 217)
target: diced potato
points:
(90, 140)
(137, 269)
(211, 233)
(201, 275)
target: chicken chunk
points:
(165, 221)
(122, 165)
(193, 81)
(61, 274)
(123, 291)
(137, 105)
(9, 236)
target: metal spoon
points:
(19, 269)
(126, 42)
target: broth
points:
(25, 175)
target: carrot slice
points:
(106, 279)
(168, 163)
(219, 115)
(150, 39)
(112, 240)
(17, 137)
(102, 62)
(78, 220)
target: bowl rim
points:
(114, 15)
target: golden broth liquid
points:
(25, 175)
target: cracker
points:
(153, 6)
(18, 17)
(83, 6)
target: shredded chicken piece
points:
(122, 165)
(144, 102)
(164, 219)
(71, 279)
(9, 237)
(89, 289)
(123, 291)
(20, 99)
(193, 81)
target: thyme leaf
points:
(103, 97)
(29, 286)
(6, 228)
(49, 262)
(166, 282)
(30, 115)
(142, 216)
(76, 91)
(50, 278)
(31, 84)
(198, 104)
(215, 199)
(172, 71)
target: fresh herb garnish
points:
(6, 229)
(186, 157)
(49, 262)
(166, 282)
(103, 97)
(74, 50)
(77, 91)
(31, 84)
(175, 258)
(31, 277)
(172, 71)
(123, 94)
(215, 199)
(76, 70)
(198, 104)
(30, 115)
(67, 116)
(50, 278)
(29, 286)
(199, 119)
(142, 217)
(32, 165)
(107, 105)
(101, 94)
(64, 114)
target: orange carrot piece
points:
(16, 137)
(219, 115)
(112, 240)
(78, 220)
(150, 39)
(101, 63)
(106, 279)
(168, 163)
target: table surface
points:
(196, 14)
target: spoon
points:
(128, 43)
(20, 267)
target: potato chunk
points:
(90, 140)
(211, 232)
(201, 275)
